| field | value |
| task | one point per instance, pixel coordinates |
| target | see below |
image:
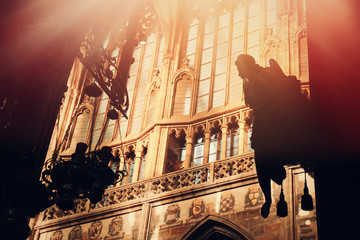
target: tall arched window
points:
(182, 98)
(144, 76)
(210, 40)
(81, 127)
(303, 59)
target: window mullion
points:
(135, 89)
(246, 23)
(197, 66)
(228, 60)
(213, 65)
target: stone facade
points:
(186, 143)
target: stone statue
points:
(281, 123)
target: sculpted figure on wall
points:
(282, 122)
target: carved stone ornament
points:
(172, 214)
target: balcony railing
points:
(191, 179)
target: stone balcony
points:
(208, 178)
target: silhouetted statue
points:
(281, 124)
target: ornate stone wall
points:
(170, 193)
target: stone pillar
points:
(241, 138)
(137, 167)
(137, 162)
(121, 167)
(224, 130)
(189, 151)
(206, 146)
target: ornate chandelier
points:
(86, 175)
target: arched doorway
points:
(216, 228)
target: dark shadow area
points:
(284, 126)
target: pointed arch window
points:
(182, 99)
(81, 128)
(303, 59)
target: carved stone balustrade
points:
(234, 166)
(176, 183)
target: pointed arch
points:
(301, 54)
(151, 96)
(182, 82)
(214, 227)
(79, 131)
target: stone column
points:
(241, 138)
(224, 130)
(121, 167)
(137, 162)
(206, 146)
(189, 151)
(137, 167)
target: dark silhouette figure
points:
(281, 124)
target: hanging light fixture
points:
(92, 90)
(86, 175)
(306, 199)
(112, 114)
(281, 207)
